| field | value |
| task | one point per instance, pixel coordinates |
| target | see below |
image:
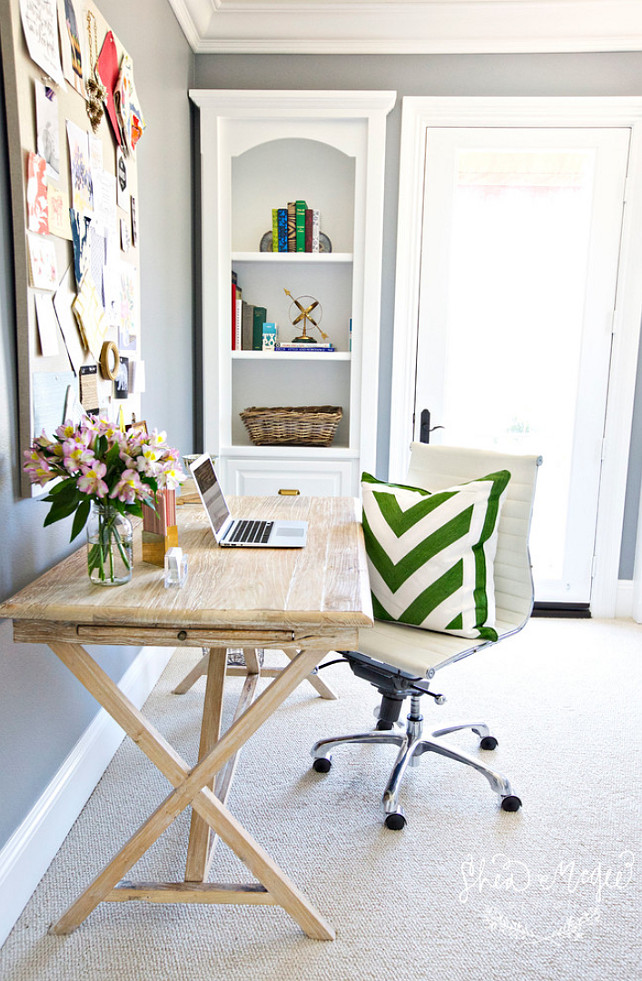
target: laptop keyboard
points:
(249, 533)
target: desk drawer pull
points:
(289, 492)
(182, 634)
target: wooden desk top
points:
(261, 595)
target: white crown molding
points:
(409, 26)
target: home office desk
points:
(310, 600)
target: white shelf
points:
(240, 450)
(290, 356)
(308, 149)
(301, 257)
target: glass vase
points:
(110, 551)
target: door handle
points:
(425, 428)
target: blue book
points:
(282, 221)
(303, 348)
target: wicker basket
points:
(302, 425)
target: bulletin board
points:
(74, 192)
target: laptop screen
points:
(211, 493)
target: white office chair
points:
(400, 661)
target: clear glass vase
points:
(110, 551)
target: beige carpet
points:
(466, 892)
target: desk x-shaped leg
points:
(192, 787)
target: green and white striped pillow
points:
(430, 555)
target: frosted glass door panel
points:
(519, 266)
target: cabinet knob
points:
(289, 491)
(182, 634)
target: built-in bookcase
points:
(260, 150)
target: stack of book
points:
(295, 228)
(302, 346)
(248, 321)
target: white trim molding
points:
(421, 113)
(409, 26)
(31, 848)
(636, 585)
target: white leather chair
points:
(401, 661)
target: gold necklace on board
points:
(96, 91)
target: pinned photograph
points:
(81, 185)
(121, 176)
(122, 381)
(47, 127)
(70, 22)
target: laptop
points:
(232, 532)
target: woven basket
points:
(302, 425)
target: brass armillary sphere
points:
(308, 311)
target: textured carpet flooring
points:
(466, 892)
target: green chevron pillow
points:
(430, 555)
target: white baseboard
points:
(29, 851)
(624, 600)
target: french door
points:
(520, 243)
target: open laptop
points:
(241, 532)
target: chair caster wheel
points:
(511, 803)
(395, 822)
(488, 742)
(322, 765)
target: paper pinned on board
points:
(40, 28)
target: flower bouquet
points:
(103, 475)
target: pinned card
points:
(43, 269)
(130, 115)
(37, 206)
(107, 70)
(48, 330)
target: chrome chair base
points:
(412, 745)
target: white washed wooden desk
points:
(313, 600)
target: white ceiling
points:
(409, 26)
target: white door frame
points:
(418, 114)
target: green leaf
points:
(80, 519)
(59, 510)
(113, 456)
(66, 488)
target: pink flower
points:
(67, 430)
(129, 488)
(37, 467)
(42, 441)
(171, 476)
(76, 453)
(91, 481)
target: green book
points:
(260, 316)
(300, 225)
(275, 229)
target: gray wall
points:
(43, 710)
(443, 75)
